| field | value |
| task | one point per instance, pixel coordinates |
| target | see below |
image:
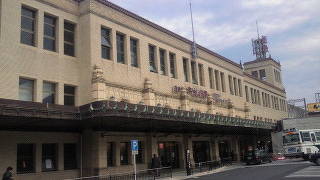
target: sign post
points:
(134, 149)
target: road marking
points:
(278, 164)
(312, 171)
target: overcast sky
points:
(227, 27)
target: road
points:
(285, 170)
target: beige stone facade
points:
(230, 90)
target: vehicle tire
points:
(317, 161)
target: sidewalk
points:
(180, 175)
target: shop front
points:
(201, 151)
(169, 154)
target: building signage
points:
(134, 146)
(198, 93)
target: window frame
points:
(134, 48)
(172, 62)
(162, 59)
(152, 58)
(108, 38)
(68, 94)
(34, 25)
(54, 26)
(69, 43)
(25, 159)
(53, 157)
(32, 88)
(121, 49)
(53, 92)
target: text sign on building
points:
(203, 94)
(134, 146)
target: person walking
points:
(8, 175)
(155, 164)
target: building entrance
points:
(201, 151)
(169, 154)
(225, 151)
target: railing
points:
(209, 166)
(148, 174)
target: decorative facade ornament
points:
(97, 75)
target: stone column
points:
(231, 110)
(210, 105)
(117, 154)
(187, 141)
(236, 149)
(98, 84)
(215, 149)
(60, 157)
(184, 99)
(246, 111)
(90, 154)
(151, 147)
(38, 158)
(148, 93)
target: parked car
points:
(278, 156)
(257, 157)
(315, 158)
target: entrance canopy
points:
(121, 116)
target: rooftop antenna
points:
(194, 47)
(259, 46)
(257, 29)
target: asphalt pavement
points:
(279, 170)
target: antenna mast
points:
(194, 48)
(257, 29)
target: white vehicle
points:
(301, 143)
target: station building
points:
(80, 79)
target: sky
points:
(227, 27)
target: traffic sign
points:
(134, 145)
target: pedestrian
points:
(155, 164)
(8, 174)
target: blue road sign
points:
(134, 145)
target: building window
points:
(120, 48)
(69, 95)
(211, 78)
(201, 78)
(49, 33)
(25, 158)
(69, 36)
(27, 35)
(162, 54)
(49, 157)
(235, 86)
(124, 153)
(49, 93)
(247, 93)
(254, 73)
(262, 73)
(140, 155)
(70, 156)
(216, 75)
(105, 43)
(134, 52)
(152, 59)
(26, 89)
(252, 95)
(186, 69)
(110, 154)
(223, 84)
(194, 72)
(172, 65)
